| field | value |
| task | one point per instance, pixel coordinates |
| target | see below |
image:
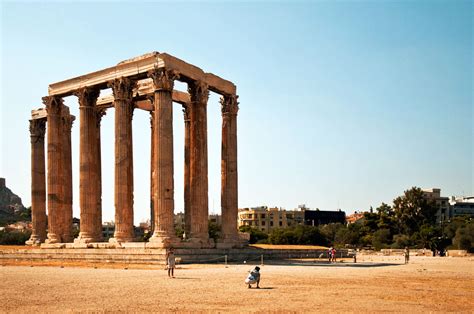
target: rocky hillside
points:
(11, 208)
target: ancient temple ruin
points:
(145, 83)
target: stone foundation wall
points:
(157, 256)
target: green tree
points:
(386, 218)
(412, 210)
(401, 241)
(214, 230)
(256, 235)
(26, 214)
(464, 238)
(329, 231)
(348, 235)
(381, 239)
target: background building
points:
(442, 203)
(324, 217)
(267, 218)
(461, 206)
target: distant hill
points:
(11, 207)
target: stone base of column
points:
(117, 240)
(199, 243)
(164, 241)
(86, 238)
(52, 239)
(67, 239)
(229, 242)
(34, 241)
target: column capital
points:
(100, 112)
(186, 113)
(87, 96)
(122, 88)
(199, 92)
(229, 104)
(37, 129)
(152, 117)
(163, 79)
(54, 104)
(68, 121)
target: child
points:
(170, 262)
(253, 277)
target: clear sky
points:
(342, 104)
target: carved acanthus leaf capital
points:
(87, 96)
(186, 112)
(53, 104)
(229, 104)
(163, 79)
(67, 122)
(152, 119)
(122, 88)
(199, 92)
(100, 112)
(37, 129)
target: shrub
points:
(464, 239)
(14, 237)
(381, 239)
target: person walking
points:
(333, 253)
(407, 254)
(170, 262)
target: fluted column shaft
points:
(66, 225)
(187, 166)
(98, 219)
(164, 232)
(54, 106)
(152, 171)
(198, 165)
(123, 104)
(88, 175)
(229, 178)
(38, 182)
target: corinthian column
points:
(38, 182)
(198, 166)
(229, 186)
(163, 194)
(54, 106)
(88, 174)
(187, 165)
(123, 93)
(98, 220)
(66, 226)
(152, 171)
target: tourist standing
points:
(330, 254)
(333, 254)
(407, 254)
(170, 262)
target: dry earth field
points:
(427, 284)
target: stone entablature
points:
(137, 69)
(145, 83)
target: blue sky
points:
(342, 104)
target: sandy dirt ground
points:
(376, 284)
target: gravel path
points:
(425, 285)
